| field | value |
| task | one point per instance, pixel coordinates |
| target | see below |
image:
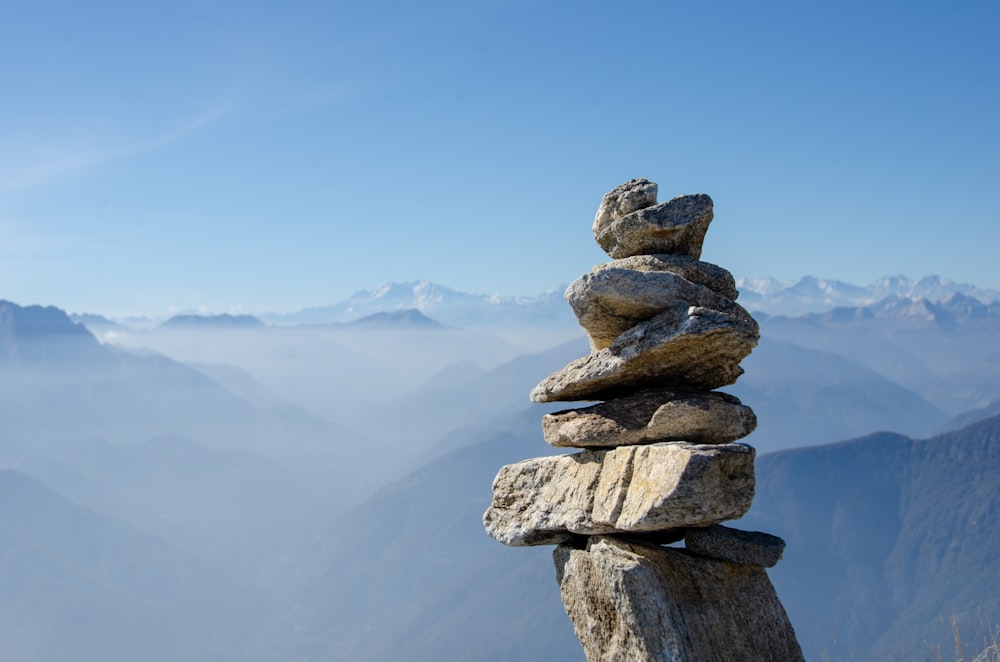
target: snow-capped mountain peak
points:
(451, 307)
(815, 295)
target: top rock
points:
(633, 195)
(629, 222)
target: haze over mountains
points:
(911, 363)
(311, 484)
(887, 539)
(455, 308)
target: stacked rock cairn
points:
(659, 464)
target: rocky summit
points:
(661, 462)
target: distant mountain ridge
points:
(452, 307)
(406, 318)
(946, 351)
(956, 308)
(35, 335)
(806, 295)
(905, 532)
(34, 323)
(224, 321)
(443, 304)
(816, 295)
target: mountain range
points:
(805, 295)
(946, 351)
(906, 533)
(455, 308)
(446, 305)
(164, 447)
(816, 295)
(888, 538)
(332, 477)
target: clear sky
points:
(258, 156)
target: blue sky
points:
(269, 156)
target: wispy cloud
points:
(36, 163)
(16, 242)
(182, 130)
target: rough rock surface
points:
(629, 489)
(631, 196)
(710, 275)
(747, 547)
(609, 301)
(696, 347)
(676, 226)
(645, 417)
(630, 601)
(658, 464)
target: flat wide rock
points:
(610, 300)
(630, 489)
(650, 416)
(630, 601)
(696, 347)
(747, 547)
(710, 275)
(631, 196)
(676, 226)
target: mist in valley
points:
(218, 488)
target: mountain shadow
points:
(77, 585)
(888, 539)
(411, 574)
(804, 397)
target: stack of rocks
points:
(659, 463)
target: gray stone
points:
(631, 196)
(696, 347)
(609, 301)
(630, 601)
(675, 226)
(629, 489)
(645, 417)
(710, 275)
(747, 547)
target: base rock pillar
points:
(635, 601)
